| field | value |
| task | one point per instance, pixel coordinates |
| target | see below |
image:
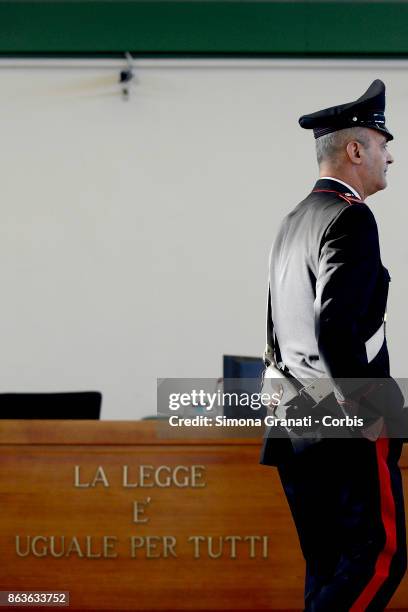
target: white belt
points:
(374, 344)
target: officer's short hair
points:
(329, 146)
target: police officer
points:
(328, 291)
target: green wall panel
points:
(196, 27)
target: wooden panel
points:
(38, 497)
(108, 433)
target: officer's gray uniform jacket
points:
(329, 288)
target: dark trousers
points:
(347, 503)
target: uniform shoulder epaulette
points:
(344, 196)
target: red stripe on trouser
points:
(382, 566)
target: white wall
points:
(134, 236)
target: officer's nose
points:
(390, 159)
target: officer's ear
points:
(354, 149)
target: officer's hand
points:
(372, 431)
